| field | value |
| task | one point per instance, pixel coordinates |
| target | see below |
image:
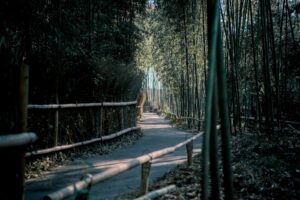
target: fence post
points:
(84, 193)
(97, 123)
(189, 150)
(146, 167)
(56, 127)
(122, 118)
(101, 120)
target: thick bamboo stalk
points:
(158, 193)
(71, 189)
(13, 120)
(225, 120)
(17, 140)
(70, 146)
(212, 29)
(80, 105)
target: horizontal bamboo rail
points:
(183, 117)
(17, 140)
(58, 107)
(69, 146)
(80, 105)
(264, 119)
(158, 193)
(83, 184)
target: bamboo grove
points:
(233, 62)
(73, 45)
(70, 51)
(261, 46)
(181, 50)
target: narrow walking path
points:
(158, 134)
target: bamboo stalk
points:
(212, 29)
(70, 146)
(157, 193)
(80, 105)
(71, 189)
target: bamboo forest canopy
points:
(77, 51)
(100, 50)
(261, 49)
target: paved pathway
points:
(158, 134)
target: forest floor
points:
(263, 168)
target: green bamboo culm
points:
(225, 121)
(216, 69)
(209, 115)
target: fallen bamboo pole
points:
(17, 140)
(80, 105)
(158, 193)
(71, 189)
(69, 146)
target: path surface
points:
(158, 134)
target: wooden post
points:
(84, 193)
(146, 167)
(56, 122)
(56, 127)
(97, 122)
(13, 119)
(101, 120)
(189, 150)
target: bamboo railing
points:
(78, 144)
(80, 105)
(124, 109)
(158, 193)
(144, 160)
(17, 140)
